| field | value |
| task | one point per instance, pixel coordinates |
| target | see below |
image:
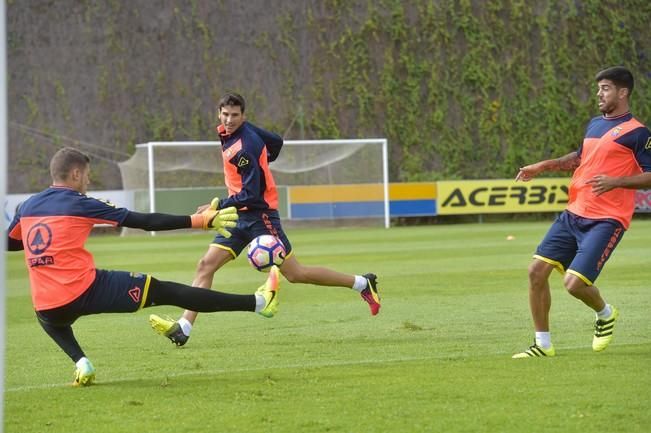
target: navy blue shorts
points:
(250, 225)
(580, 246)
(110, 292)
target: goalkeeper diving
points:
(52, 227)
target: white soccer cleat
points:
(84, 374)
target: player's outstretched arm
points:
(209, 219)
(272, 141)
(564, 163)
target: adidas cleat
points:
(535, 351)
(169, 328)
(269, 290)
(84, 374)
(603, 331)
(370, 294)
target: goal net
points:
(327, 182)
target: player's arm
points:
(210, 218)
(273, 142)
(14, 244)
(14, 238)
(640, 141)
(250, 175)
(250, 193)
(156, 221)
(567, 162)
(602, 183)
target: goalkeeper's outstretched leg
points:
(266, 304)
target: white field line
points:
(326, 364)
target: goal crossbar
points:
(150, 146)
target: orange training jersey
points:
(248, 178)
(616, 147)
(54, 225)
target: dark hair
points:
(65, 160)
(619, 75)
(233, 99)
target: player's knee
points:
(573, 290)
(538, 273)
(206, 267)
(293, 275)
(573, 284)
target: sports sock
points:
(260, 302)
(544, 339)
(62, 336)
(185, 325)
(605, 313)
(360, 283)
(82, 361)
(196, 298)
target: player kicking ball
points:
(246, 153)
(52, 227)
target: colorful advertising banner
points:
(501, 196)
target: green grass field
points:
(436, 359)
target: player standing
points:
(52, 227)
(612, 162)
(247, 152)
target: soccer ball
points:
(266, 251)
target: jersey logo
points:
(647, 146)
(106, 202)
(39, 238)
(615, 132)
(135, 294)
(243, 162)
(41, 261)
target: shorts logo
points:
(135, 294)
(609, 248)
(269, 225)
(615, 132)
(243, 162)
(39, 238)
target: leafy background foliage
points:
(462, 89)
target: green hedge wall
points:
(468, 89)
(461, 88)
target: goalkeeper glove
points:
(214, 219)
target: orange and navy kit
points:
(584, 236)
(246, 159)
(53, 226)
(615, 147)
(246, 154)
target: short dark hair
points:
(65, 160)
(233, 99)
(619, 75)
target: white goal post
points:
(328, 179)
